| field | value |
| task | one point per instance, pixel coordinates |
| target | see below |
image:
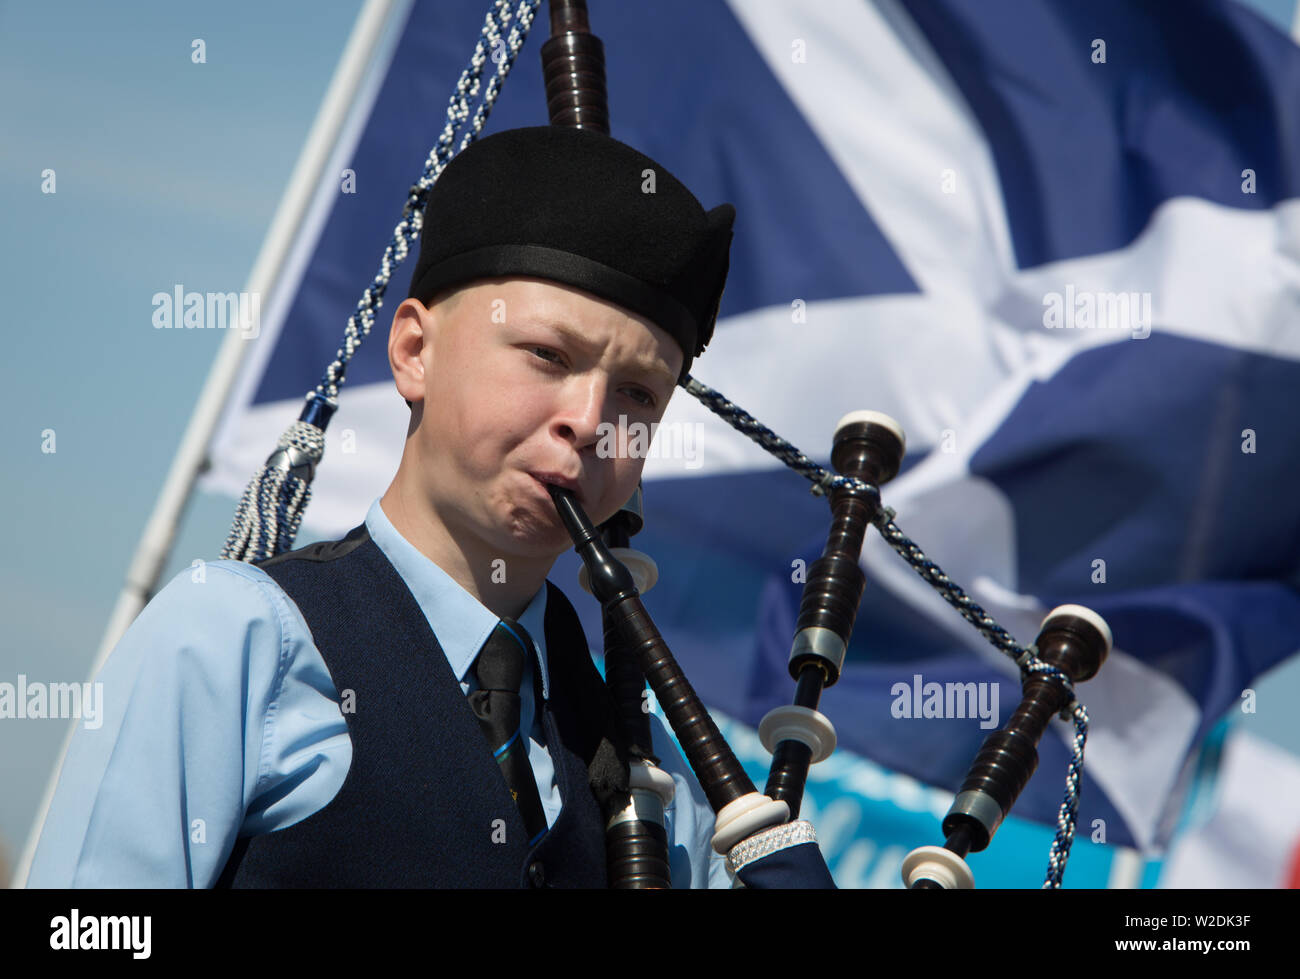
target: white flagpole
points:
(160, 533)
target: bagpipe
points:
(765, 842)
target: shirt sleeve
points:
(692, 861)
(153, 791)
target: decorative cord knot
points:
(825, 485)
(1029, 664)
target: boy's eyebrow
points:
(651, 367)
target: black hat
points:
(576, 206)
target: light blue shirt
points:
(219, 719)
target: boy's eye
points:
(640, 395)
(547, 354)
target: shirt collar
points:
(460, 621)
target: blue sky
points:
(167, 172)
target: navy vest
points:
(424, 803)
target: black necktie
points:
(499, 669)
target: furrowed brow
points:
(647, 368)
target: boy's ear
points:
(400, 336)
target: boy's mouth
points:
(556, 479)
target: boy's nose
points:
(581, 411)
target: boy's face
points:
(523, 379)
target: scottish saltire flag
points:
(1059, 242)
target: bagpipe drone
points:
(765, 842)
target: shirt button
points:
(537, 874)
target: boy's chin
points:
(539, 543)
